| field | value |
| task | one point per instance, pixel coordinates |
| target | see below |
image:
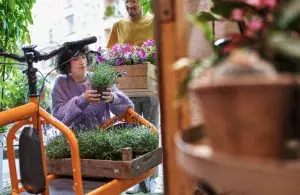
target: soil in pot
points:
(100, 91)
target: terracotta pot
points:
(245, 116)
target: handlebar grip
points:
(81, 43)
(69, 45)
(13, 56)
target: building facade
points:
(58, 21)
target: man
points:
(134, 30)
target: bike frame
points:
(32, 114)
(28, 115)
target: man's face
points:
(133, 7)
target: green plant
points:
(15, 17)
(104, 75)
(105, 145)
(146, 6)
(109, 11)
(16, 93)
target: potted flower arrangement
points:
(126, 54)
(246, 98)
(103, 76)
(137, 62)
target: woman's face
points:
(78, 65)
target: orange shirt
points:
(132, 32)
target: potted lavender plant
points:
(103, 77)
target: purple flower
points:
(100, 55)
(149, 43)
(119, 61)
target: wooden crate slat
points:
(106, 168)
(146, 162)
(137, 83)
(138, 70)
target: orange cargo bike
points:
(31, 114)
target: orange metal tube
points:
(130, 113)
(111, 121)
(36, 121)
(11, 153)
(130, 116)
(117, 186)
(74, 149)
(16, 114)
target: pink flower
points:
(262, 3)
(255, 25)
(237, 14)
(256, 3)
(270, 3)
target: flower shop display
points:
(137, 63)
(247, 101)
(121, 151)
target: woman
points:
(74, 103)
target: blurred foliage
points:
(270, 28)
(146, 6)
(109, 11)
(15, 17)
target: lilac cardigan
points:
(70, 107)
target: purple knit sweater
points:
(70, 107)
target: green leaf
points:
(285, 44)
(203, 21)
(146, 6)
(290, 14)
(224, 8)
(12, 4)
(5, 25)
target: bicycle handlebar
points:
(67, 45)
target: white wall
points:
(51, 15)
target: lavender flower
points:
(148, 43)
(126, 54)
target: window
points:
(69, 3)
(70, 21)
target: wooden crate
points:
(140, 80)
(128, 168)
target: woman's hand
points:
(91, 95)
(108, 96)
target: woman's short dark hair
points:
(63, 60)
